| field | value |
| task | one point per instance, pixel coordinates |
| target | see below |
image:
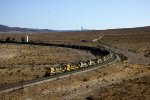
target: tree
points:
(13, 40)
(7, 39)
(1, 40)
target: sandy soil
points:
(26, 62)
(136, 89)
(137, 43)
(39, 55)
(119, 81)
(86, 85)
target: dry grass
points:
(11, 75)
(25, 62)
(38, 55)
(117, 81)
(137, 89)
(94, 84)
(138, 43)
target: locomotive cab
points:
(66, 67)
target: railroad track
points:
(19, 85)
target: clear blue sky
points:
(72, 14)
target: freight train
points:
(63, 68)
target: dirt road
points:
(132, 57)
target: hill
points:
(4, 28)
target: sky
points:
(72, 14)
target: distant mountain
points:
(4, 28)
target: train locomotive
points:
(63, 68)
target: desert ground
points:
(26, 62)
(125, 79)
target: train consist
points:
(101, 54)
(63, 68)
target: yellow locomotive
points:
(54, 69)
(58, 69)
(62, 68)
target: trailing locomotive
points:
(62, 68)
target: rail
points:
(22, 84)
